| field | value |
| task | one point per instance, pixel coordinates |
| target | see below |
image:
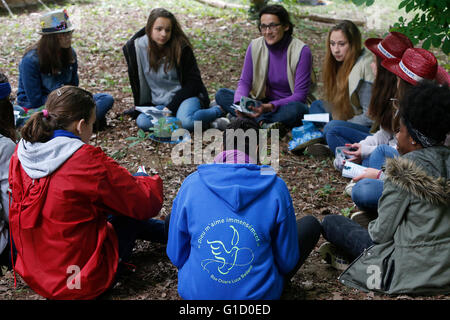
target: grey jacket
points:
(7, 147)
(411, 254)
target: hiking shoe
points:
(349, 187)
(362, 218)
(319, 150)
(333, 256)
(220, 123)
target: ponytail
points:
(63, 107)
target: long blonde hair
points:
(335, 74)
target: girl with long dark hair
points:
(52, 63)
(164, 73)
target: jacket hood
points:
(237, 184)
(42, 159)
(424, 173)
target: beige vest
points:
(260, 59)
(360, 71)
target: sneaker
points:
(338, 164)
(333, 256)
(319, 150)
(362, 218)
(220, 123)
(349, 187)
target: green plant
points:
(346, 211)
(325, 191)
(430, 24)
(255, 6)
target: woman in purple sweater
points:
(277, 72)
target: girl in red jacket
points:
(74, 212)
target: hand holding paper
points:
(352, 170)
(368, 173)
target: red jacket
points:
(66, 249)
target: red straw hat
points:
(390, 47)
(415, 65)
(442, 76)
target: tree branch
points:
(221, 4)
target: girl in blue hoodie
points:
(233, 232)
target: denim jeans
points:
(190, 110)
(103, 103)
(339, 132)
(378, 156)
(346, 234)
(290, 114)
(128, 230)
(367, 192)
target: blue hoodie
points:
(232, 233)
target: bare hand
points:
(257, 111)
(356, 154)
(369, 173)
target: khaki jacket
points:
(411, 254)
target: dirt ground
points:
(316, 187)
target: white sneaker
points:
(362, 218)
(348, 188)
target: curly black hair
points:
(426, 107)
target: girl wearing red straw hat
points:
(416, 65)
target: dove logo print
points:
(229, 255)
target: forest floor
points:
(220, 38)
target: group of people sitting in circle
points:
(70, 215)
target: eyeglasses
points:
(270, 27)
